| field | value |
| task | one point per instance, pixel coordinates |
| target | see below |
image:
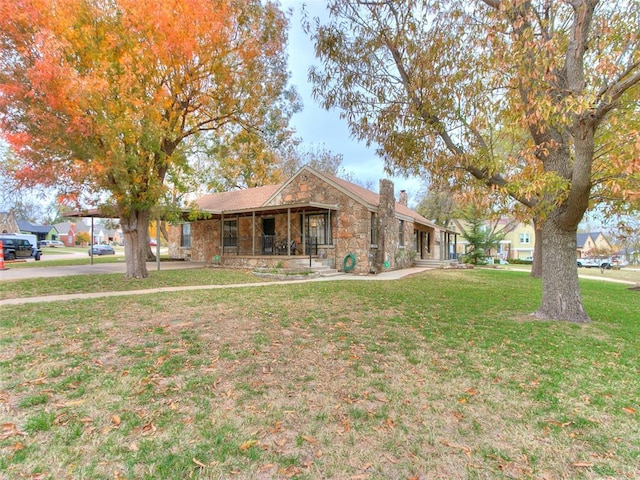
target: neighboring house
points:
(67, 233)
(8, 223)
(312, 214)
(517, 243)
(43, 232)
(592, 244)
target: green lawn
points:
(117, 282)
(440, 375)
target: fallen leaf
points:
(582, 464)
(309, 439)
(133, 447)
(390, 458)
(629, 410)
(9, 430)
(198, 463)
(149, 429)
(248, 444)
(116, 420)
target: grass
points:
(440, 375)
(117, 282)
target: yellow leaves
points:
(248, 444)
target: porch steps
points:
(316, 266)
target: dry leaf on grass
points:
(248, 444)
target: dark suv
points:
(18, 248)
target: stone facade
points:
(350, 213)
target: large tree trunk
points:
(561, 298)
(536, 267)
(135, 228)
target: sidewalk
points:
(86, 269)
(117, 267)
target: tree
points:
(438, 85)
(438, 206)
(482, 237)
(106, 98)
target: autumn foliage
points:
(535, 101)
(103, 98)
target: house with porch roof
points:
(313, 214)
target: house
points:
(517, 241)
(42, 232)
(8, 223)
(69, 231)
(592, 244)
(313, 214)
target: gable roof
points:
(360, 194)
(28, 227)
(253, 198)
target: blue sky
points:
(317, 126)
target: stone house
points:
(313, 214)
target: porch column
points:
(222, 234)
(288, 231)
(304, 234)
(253, 233)
(455, 246)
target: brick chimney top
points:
(403, 197)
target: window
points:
(525, 238)
(401, 233)
(185, 240)
(319, 229)
(230, 233)
(374, 228)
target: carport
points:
(97, 213)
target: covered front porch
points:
(263, 236)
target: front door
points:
(268, 236)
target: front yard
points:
(440, 375)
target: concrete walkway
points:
(121, 268)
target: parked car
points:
(44, 243)
(597, 262)
(15, 247)
(102, 250)
(56, 243)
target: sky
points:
(319, 127)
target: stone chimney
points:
(387, 227)
(403, 198)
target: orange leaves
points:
(103, 93)
(8, 430)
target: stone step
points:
(435, 263)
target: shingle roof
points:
(257, 197)
(237, 199)
(373, 199)
(28, 227)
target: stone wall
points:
(350, 224)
